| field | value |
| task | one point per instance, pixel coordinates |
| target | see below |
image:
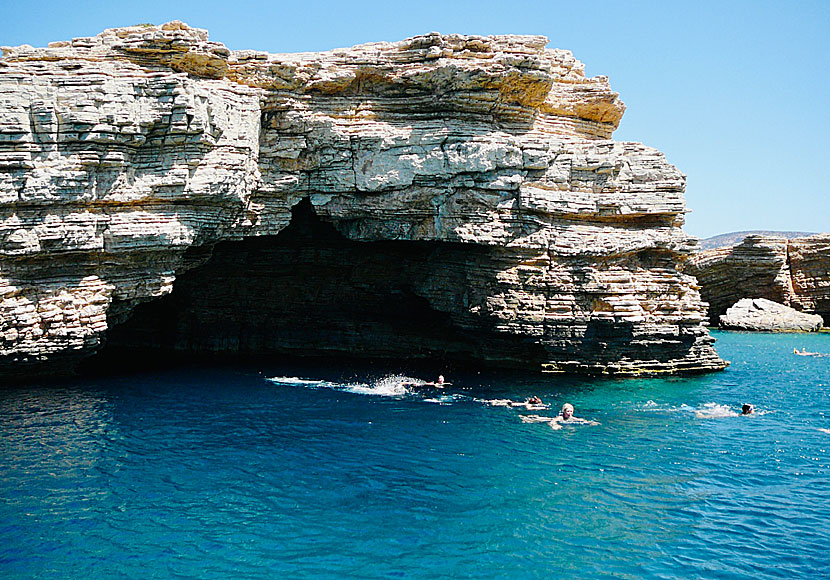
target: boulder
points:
(760, 314)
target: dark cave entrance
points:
(311, 292)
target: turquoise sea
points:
(257, 471)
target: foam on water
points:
(298, 382)
(709, 410)
(446, 399)
(715, 411)
(387, 386)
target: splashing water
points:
(715, 411)
(387, 386)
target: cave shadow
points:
(309, 293)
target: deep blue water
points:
(223, 473)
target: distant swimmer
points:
(499, 402)
(537, 419)
(439, 383)
(804, 352)
(531, 403)
(825, 431)
(747, 409)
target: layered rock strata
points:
(792, 272)
(760, 314)
(471, 179)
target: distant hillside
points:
(733, 238)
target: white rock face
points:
(122, 154)
(761, 314)
(794, 272)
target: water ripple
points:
(224, 473)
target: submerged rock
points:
(461, 183)
(765, 315)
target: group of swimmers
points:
(534, 403)
(565, 416)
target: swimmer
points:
(536, 419)
(825, 431)
(439, 383)
(566, 415)
(531, 403)
(541, 419)
(804, 352)
(499, 402)
(747, 409)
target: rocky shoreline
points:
(792, 272)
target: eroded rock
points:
(793, 272)
(124, 158)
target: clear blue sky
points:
(736, 93)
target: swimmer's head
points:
(440, 379)
(567, 411)
(747, 409)
(534, 400)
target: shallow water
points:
(256, 472)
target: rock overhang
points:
(120, 152)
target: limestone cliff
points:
(793, 272)
(467, 184)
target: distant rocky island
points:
(793, 272)
(734, 238)
(445, 197)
